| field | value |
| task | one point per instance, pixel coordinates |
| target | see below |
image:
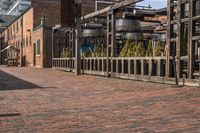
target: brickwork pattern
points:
(44, 100)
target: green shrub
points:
(66, 53)
(140, 50)
(87, 54)
(149, 51)
(158, 49)
(126, 48)
(98, 51)
(132, 50)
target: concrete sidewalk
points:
(48, 101)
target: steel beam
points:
(110, 8)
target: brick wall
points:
(47, 47)
(50, 9)
(38, 36)
(88, 6)
(21, 30)
(27, 33)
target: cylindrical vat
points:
(197, 7)
(91, 32)
(163, 37)
(134, 36)
(127, 25)
(186, 10)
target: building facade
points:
(31, 33)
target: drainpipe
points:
(21, 44)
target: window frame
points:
(38, 48)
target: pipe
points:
(92, 25)
(139, 13)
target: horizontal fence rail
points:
(144, 66)
(137, 68)
(66, 64)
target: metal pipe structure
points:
(92, 25)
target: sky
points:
(154, 3)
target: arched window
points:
(38, 47)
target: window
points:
(17, 26)
(30, 40)
(23, 43)
(26, 41)
(38, 47)
(14, 28)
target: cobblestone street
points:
(47, 101)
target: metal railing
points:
(118, 66)
(66, 64)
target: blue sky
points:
(154, 3)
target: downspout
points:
(21, 45)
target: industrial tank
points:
(134, 36)
(92, 30)
(163, 37)
(127, 25)
(129, 28)
(197, 7)
(90, 33)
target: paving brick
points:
(44, 100)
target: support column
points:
(78, 38)
(178, 40)
(168, 38)
(191, 58)
(111, 29)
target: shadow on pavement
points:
(10, 82)
(10, 115)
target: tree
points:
(149, 49)
(98, 51)
(132, 50)
(65, 53)
(125, 49)
(140, 50)
(158, 49)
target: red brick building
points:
(32, 35)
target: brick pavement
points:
(47, 101)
